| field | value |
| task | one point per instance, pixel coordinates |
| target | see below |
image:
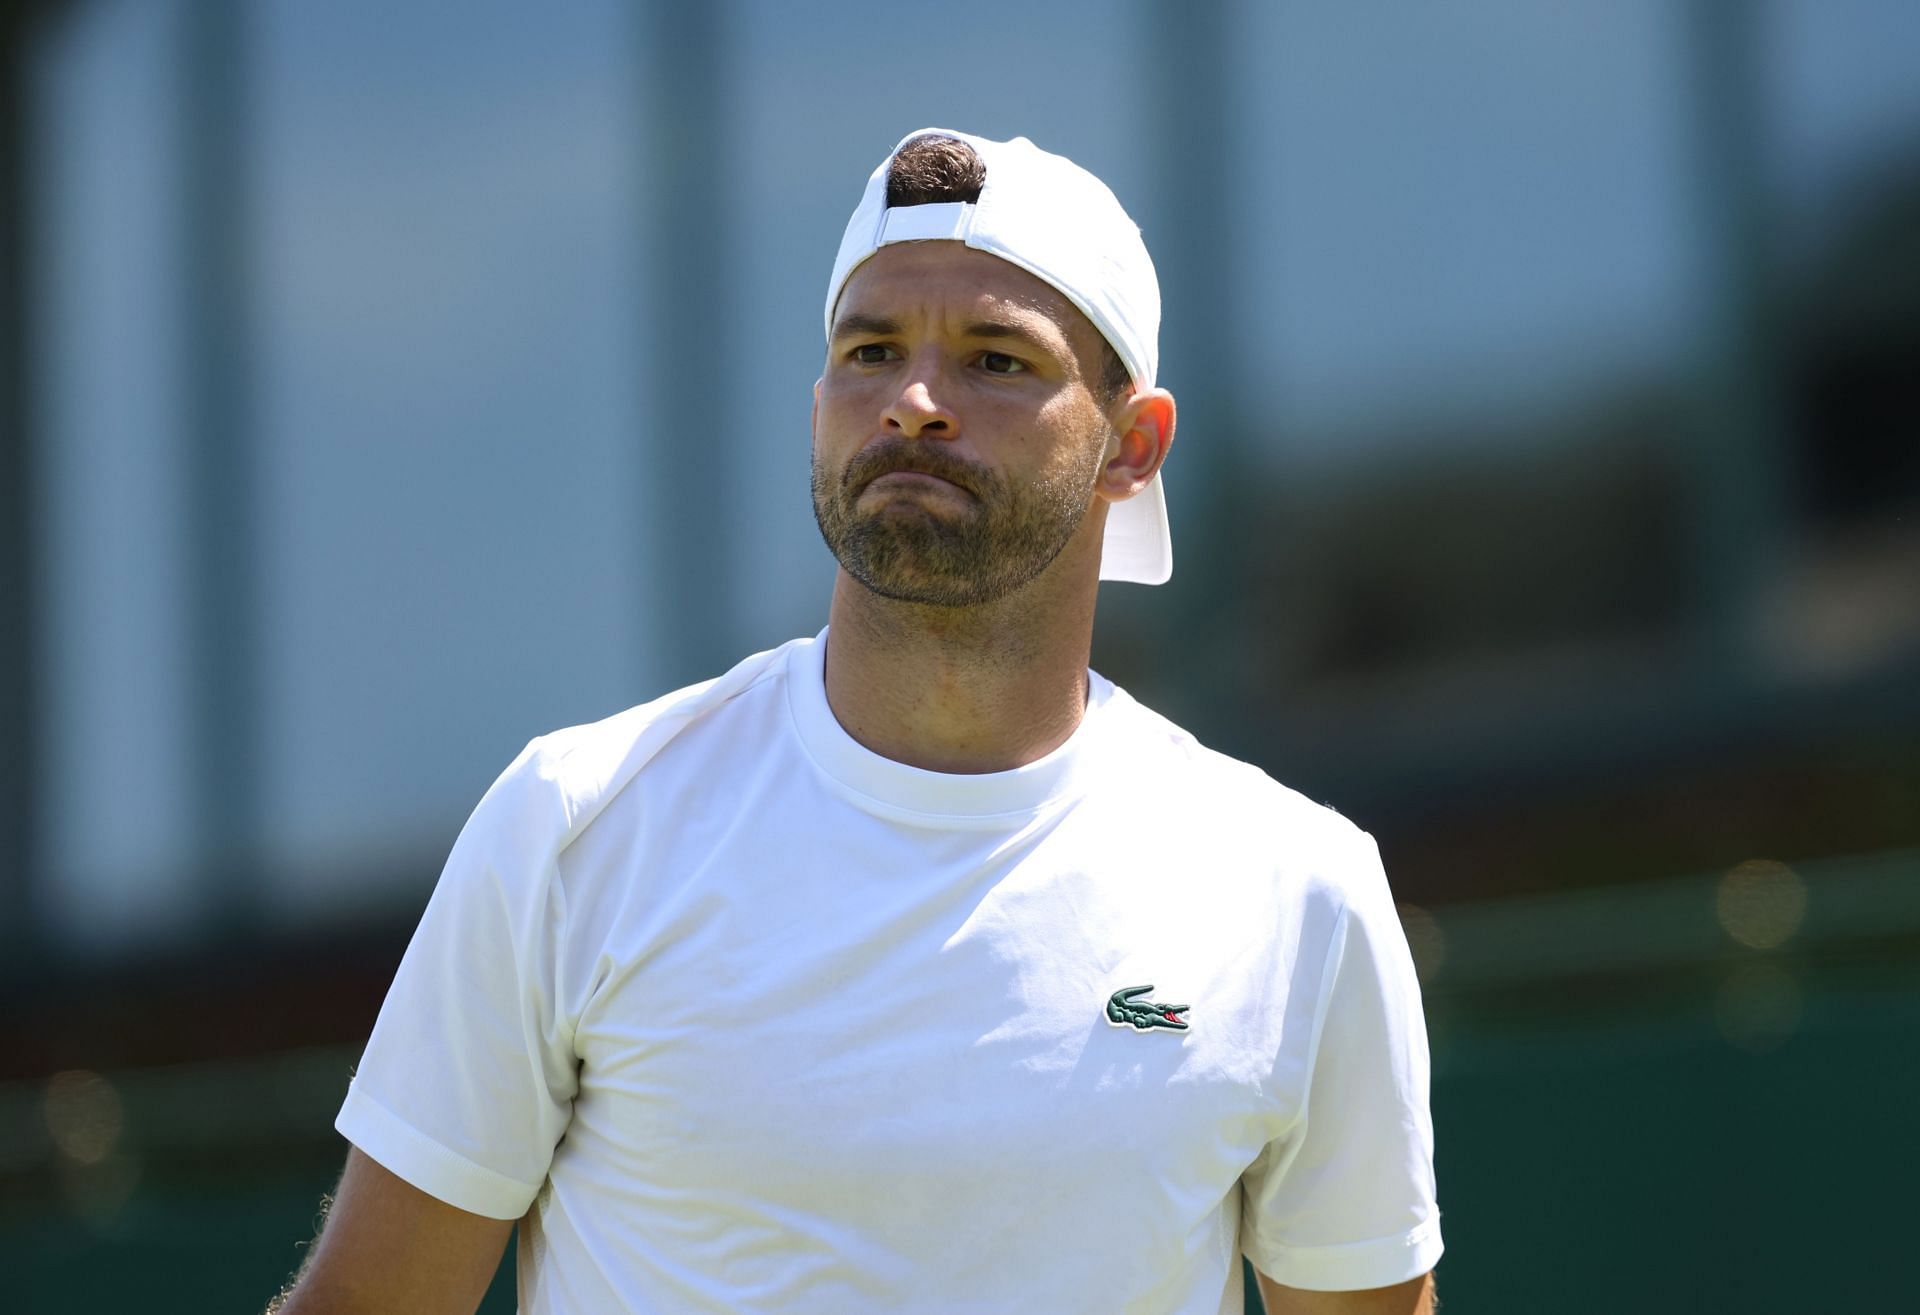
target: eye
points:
(869, 353)
(1001, 363)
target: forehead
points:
(952, 279)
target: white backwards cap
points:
(1058, 222)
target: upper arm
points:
(1342, 1198)
(468, 1079)
(1414, 1297)
(387, 1246)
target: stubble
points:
(944, 556)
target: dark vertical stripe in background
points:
(688, 462)
(221, 448)
(18, 632)
(1740, 506)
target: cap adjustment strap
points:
(943, 221)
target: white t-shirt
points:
(741, 1016)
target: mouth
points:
(908, 479)
(903, 474)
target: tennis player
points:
(913, 965)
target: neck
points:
(959, 690)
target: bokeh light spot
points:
(84, 1114)
(1761, 903)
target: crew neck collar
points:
(883, 785)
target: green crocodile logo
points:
(1126, 1009)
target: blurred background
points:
(384, 385)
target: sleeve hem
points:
(406, 1151)
(1353, 1266)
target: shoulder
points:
(563, 780)
(1213, 793)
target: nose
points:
(915, 413)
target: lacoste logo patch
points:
(1126, 1009)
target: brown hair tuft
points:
(932, 170)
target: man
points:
(912, 966)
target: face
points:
(957, 440)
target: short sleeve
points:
(468, 1080)
(1345, 1199)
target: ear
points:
(1143, 434)
(814, 421)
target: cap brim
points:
(1139, 544)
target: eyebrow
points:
(1016, 332)
(865, 326)
(857, 325)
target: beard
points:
(1006, 536)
